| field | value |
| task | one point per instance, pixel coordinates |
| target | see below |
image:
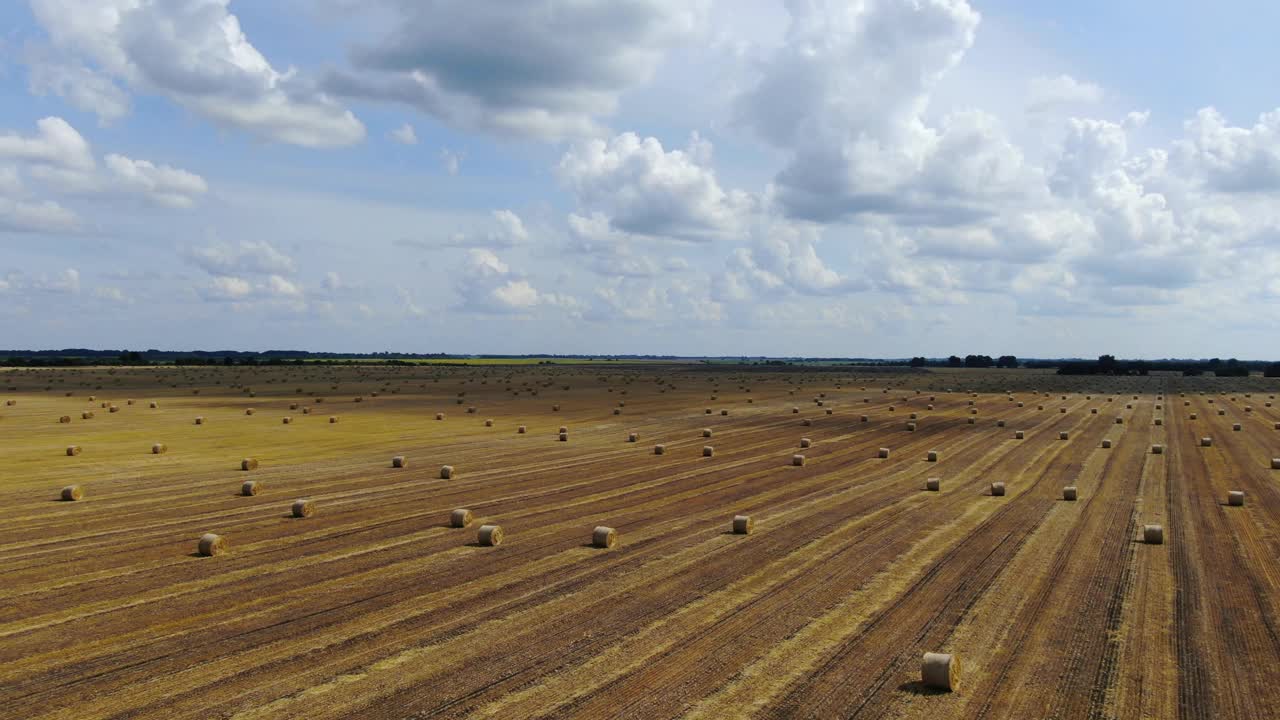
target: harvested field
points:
(385, 604)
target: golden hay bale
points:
(446, 472)
(795, 411)
(250, 488)
(1119, 420)
(797, 460)
(1236, 427)
(521, 430)
(933, 484)
(249, 464)
(11, 403)
(471, 410)
(113, 409)
(743, 524)
(460, 518)
(617, 411)
(1062, 410)
(1222, 412)
(883, 452)
(997, 489)
(286, 420)
(303, 508)
(333, 419)
(999, 423)
(86, 415)
(940, 671)
(1069, 493)
(932, 456)
(805, 442)
(153, 404)
(564, 437)
(71, 493)
(1063, 435)
(604, 537)
(1157, 449)
(633, 437)
(830, 411)
(199, 420)
(489, 535)
(64, 419)
(1153, 534)
(1195, 416)
(1159, 421)
(706, 432)
(555, 408)
(92, 398)
(806, 422)
(399, 461)
(293, 406)
(1206, 441)
(488, 423)
(248, 411)
(1235, 498)
(306, 411)
(659, 449)
(1106, 443)
(159, 449)
(708, 451)
(724, 412)
(211, 544)
(863, 418)
(563, 429)
(1275, 463)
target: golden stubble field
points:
(374, 607)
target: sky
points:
(856, 178)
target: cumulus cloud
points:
(225, 287)
(162, 183)
(545, 69)
(487, 285)
(36, 217)
(645, 190)
(1232, 159)
(55, 144)
(70, 79)
(195, 53)
(244, 257)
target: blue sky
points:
(781, 177)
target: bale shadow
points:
(915, 687)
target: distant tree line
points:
(968, 361)
(1109, 365)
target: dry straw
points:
(71, 493)
(303, 508)
(489, 535)
(159, 449)
(250, 488)
(211, 544)
(940, 671)
(73, 450)
(604, 537)
(249, 464)
(446, 472)
(399, 461)
(460, 518)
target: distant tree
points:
(955, 361)
(1272, 370)
(917, 362)
(1007, 361)
(978, 361)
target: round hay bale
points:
(1063, 435)
(488, 423)
(805, 442)
(743, 524)
(633, 437)
(863, 418)
(1222, 412)
(932, 456)
(249, 488)
(439, 416)
(604, 537)
(489, 535)
(303, 508)
(911, 427)
(1235, 498)
(564, 437)
(1069, 493)
(1062, 410)
(248, 411)
(563, 429)
(73, 450)
(1159, 422)
(724, 413)
(883, 452)
(471, 410)
(1157, 449)
(1206, 441)
(211, 544)
(64, 419)
(1153, 534)
(72, 493)
(797, 460)
(659, 449)
(460, 518)
(1093, 411)
(795, 411)
(940, 671)
(293, 406)
(286, 420)
(706, 432)
(1106, 443)
(333, 419)
(1275, 463)
(1195, 416)
(399, 461)
(199, 420)
(1236, 427)
(830, 411)
(933, 484)
(159, 449)
(997, 489)
(1119, 420)
(708, 451)
(446, 472)
(554, 408)
(249, 464)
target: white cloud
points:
(1049, 93)
(66, 282)
(646, 190)
(545, 69)
(80, 86)
(38, 217)
(195, 53)
(452, 161)
(56, 144)
(244, 257)
(224, 287)
(280, 287)
(487, 285)
(1232, 159)
(111, 294)
(405, 135)
(166, 185)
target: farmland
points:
(374, 606)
